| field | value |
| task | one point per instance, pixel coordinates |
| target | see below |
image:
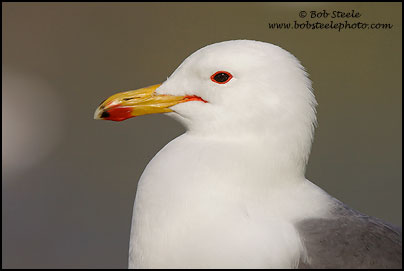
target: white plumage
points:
(228, 192)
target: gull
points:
(231, 191)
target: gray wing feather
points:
(350, 240)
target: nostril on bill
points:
(105, 114)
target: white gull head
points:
(269, 95)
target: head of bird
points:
(229, 89)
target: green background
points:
(69, 181)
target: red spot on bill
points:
(118, 113)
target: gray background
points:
(69, 181)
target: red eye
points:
(221, 77)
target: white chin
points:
(184, 121)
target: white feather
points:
(228, 192)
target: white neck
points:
(200, 199)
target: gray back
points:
(350, 240)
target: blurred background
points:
(69, 181)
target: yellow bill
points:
(134, 103)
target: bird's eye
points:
(221, 77)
